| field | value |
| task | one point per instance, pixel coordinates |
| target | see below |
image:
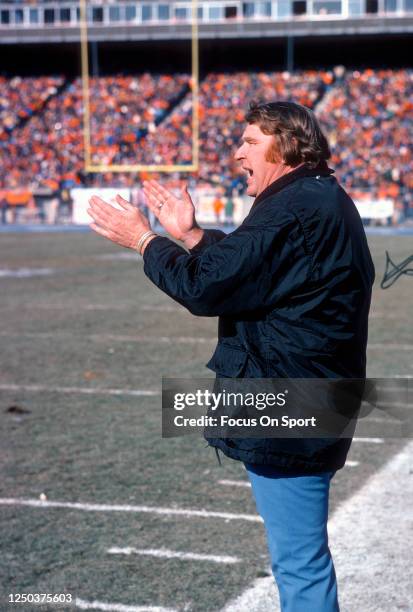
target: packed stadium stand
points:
(369, 118)
(367, 115)
(21, 98)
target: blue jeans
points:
(295, 512)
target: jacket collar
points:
(321, 170)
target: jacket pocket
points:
(228, 360)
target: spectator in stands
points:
(218, 206)
(17, 199)
(3, 206)
(229, 209)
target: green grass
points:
(97, 323)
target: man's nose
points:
(239, 153)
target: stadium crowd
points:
(50, 147)
(21, 97)
(124, 109)
(147, 119)
(369, 120)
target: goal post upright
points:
(133, 168)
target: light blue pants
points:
(295, 512)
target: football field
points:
(94, 504)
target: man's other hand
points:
(124, 227)
(176, 215)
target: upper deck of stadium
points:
(120, 20)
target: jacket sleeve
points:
(247, 270)
(210, 237)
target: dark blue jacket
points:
(292, 289)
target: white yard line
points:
(113, 337)
(241, 483)
(118, 257)
(369, 440)
(235, 483)
(390, 347)
(174, 339)
(369, 535)
(189, 513)
(34, 307)
(167, 339)
(163, 553)
(77, 307)
(25, 272)
(165, 308)
(387, 389)
(388, 420)
(116, 607)
(105, 306)
(388, 404)
(153, 339)
(384, 315)
(81, 390)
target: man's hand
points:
(124, 227)
(177, 215)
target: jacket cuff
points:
(154, 245)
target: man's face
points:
(252, 155)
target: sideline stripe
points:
(234, 483)
(361, 548)
(164, 553)
(82, 390)
(116, 607)
(350, 463)
(36, 503)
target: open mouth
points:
(248, 171)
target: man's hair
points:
(298, 135)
